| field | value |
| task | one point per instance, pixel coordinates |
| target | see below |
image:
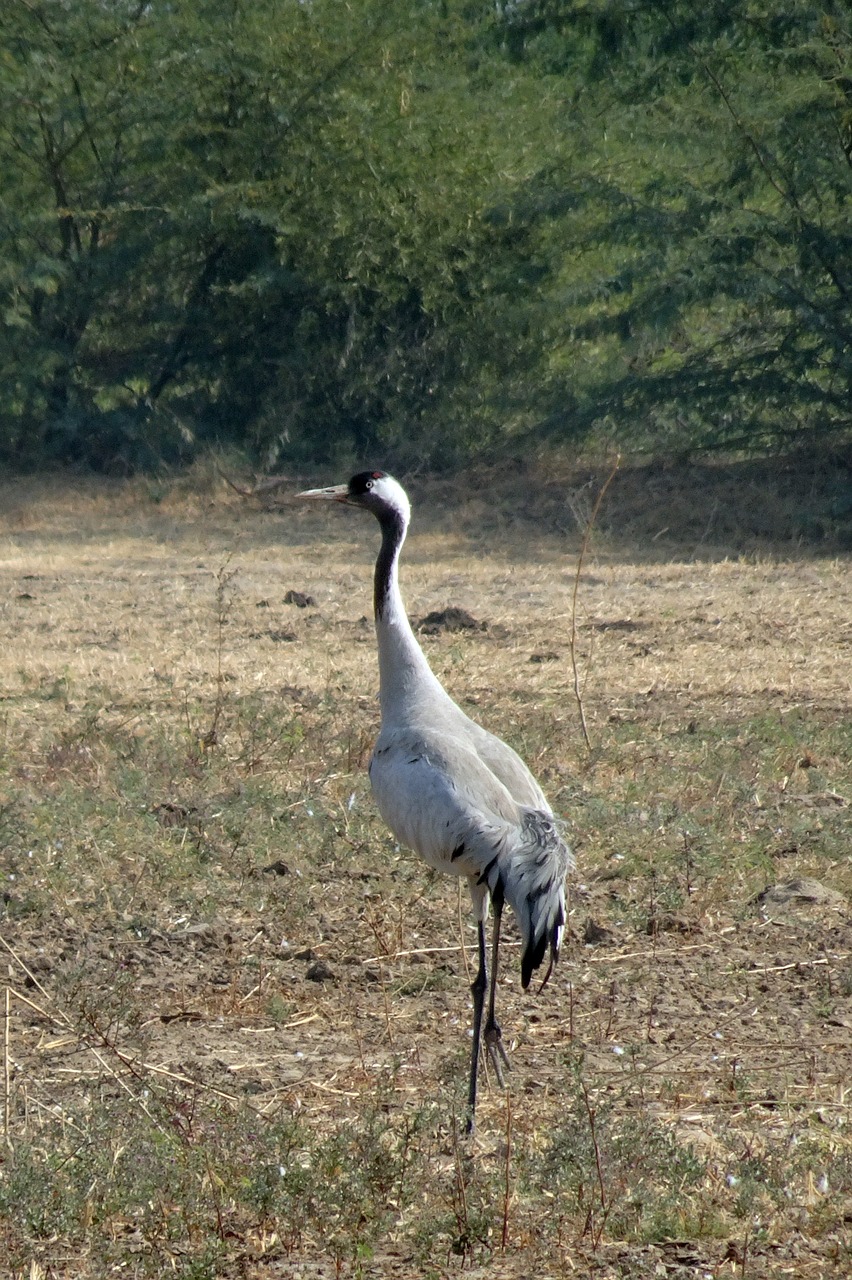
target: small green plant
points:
(616, 1174)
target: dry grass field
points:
(235, 1025)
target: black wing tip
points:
(532, 959)
(535, 950)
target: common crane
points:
(452, 791)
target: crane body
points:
(447, 788)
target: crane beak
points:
(334, 493)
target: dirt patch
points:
(450, 619)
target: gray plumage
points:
(452, 791)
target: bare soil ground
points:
(203, 912)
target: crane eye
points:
(369, 484)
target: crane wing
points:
(506, 765)
(439, 797)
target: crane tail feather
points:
(531, 874)
(537, 947)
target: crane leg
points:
(493, 1035)
(477, 988)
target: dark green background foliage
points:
(319, 230)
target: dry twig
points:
(7, 1071)
(584, 546)
(262, 485)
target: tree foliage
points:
(710, 287)
(422, 227)
(259, 221)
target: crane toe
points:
(497, 1054)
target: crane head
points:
(375, 490)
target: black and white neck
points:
(407, 686)
(393, 514)
(406, 680)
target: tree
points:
(266, 222)
(706, 243)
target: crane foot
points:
(497, 1055)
